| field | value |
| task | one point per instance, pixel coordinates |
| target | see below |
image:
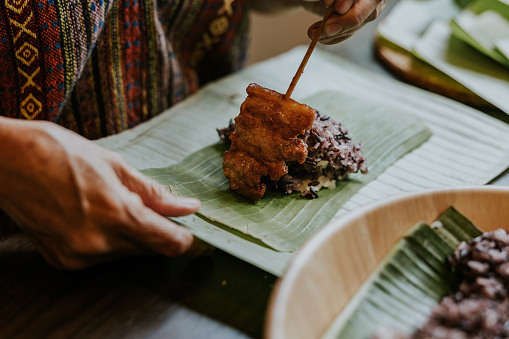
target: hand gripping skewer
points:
(308, 53)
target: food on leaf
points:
(479, 307)
(443, 280)
(287, 145)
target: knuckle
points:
(130, 200)
(376, 13)
(104, 208)
(114, 158)
(87, 245)
(129, 211)
(373, 16)
(156, 189)
(118, 159)
(357, 20)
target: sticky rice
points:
(331, 157)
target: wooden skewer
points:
(308, 53)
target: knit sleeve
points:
(45, 45)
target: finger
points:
(157, 233)
(156, 196)
(346, 33)
(377, 11)
(312, 29)
(331, 29)
(356, 17)
(326, 39)
(344, 6)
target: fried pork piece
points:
(265, 138)
(331, 157)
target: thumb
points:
(156, 196)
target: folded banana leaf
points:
(484, 24)
(423, 28)
(401, 292)
(282, 222)
(482, 75)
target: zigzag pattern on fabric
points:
(101, 66)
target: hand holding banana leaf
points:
(81, 204)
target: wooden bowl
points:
(334, 263)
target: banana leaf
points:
(502, 45)
(423, 28)
(483, 31)
(285, 222)
(476, 71)
(400, 294)
(408, 20)
(498, 6)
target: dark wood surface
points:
(150, 297)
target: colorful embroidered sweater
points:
(99, 67)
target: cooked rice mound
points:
(331, 157)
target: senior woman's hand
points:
(81, 204)
(349, 16)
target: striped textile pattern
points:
(99, 67)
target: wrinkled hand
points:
(348, 18)
(81, 204)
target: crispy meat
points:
(265, 138)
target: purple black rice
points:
(480, 307)
(331, 156)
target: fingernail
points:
(332, 29)
(189, 202)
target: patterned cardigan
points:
(99, 67)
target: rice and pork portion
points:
(330, 154)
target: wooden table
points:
(151, 297)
